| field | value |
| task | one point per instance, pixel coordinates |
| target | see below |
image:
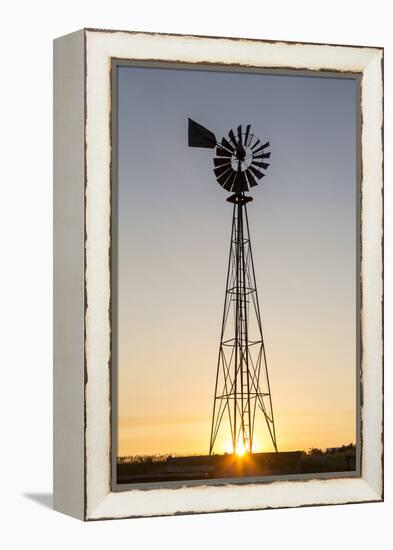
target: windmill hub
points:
(240, 153)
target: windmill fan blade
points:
(251, 181)
(262, 156)
(239, 134)
(240, 183)
(221, 162)
(227, 145)
(256, 172)
(255, 144)
(221, 170)
(247, 134)
(199, 136)
(232, 138)
(222, 179)
(229, 182)
(261, 164)
(262, 147)
(222, 152)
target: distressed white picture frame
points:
(82, 335)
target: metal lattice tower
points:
(242, 381)
(242, 388)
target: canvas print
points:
(235, 275)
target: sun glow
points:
(240, 449)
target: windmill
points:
(242, 386)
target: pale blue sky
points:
(174, 229)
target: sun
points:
(240, 450)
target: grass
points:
(166, 467)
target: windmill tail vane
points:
(242, 388)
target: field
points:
(141, 469)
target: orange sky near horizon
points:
(167, 422)
(313, 386)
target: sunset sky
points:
(174, 230)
